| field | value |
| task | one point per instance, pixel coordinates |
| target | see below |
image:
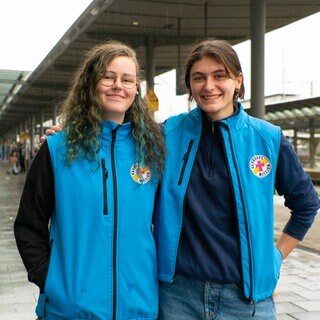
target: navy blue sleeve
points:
(298, 190)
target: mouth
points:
(116, 96)
(211, 96)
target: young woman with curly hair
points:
(84, 225)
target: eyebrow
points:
(203, 73)
(124, 74)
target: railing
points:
(314, 174)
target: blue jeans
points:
(189, 299)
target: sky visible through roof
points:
(31, 28)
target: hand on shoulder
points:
(49, 132)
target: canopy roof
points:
(170, 26)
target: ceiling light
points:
(94, 11)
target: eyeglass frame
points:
(113, 78)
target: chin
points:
(211, 108)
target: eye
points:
(129, 80)
(220, 76)
(198, 78)
(109, 76)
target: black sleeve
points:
(31, 227)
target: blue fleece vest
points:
(252, 148)
(103, 257)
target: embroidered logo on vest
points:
(140, 174)
(260, 166)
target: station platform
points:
(298, 291)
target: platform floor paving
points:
(298, 290)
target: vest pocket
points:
(185, 161)
(277, 262)
(104, 186)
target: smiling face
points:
(114, 97)
(212, 87)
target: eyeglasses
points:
(127, 80)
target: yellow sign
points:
(151, 100)
(25, 136)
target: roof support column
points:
(41, 122)
(295, 140)
(150, 66)
(312, 145)
(54, 114)
(26, 124)
(16, 133)
(257, 26)
(32, 130)
(21, 131)
(30, 150)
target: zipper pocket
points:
(104, 186)
(185, 161)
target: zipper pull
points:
(254, 307)
(104, 186)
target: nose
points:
(210, 83)
(117, 83)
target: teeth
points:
(211, 97)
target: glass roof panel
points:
(10, 83)
(316, 110)
(308, 112)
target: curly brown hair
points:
(82, 114)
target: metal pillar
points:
(41, 122)
(257, 57)
(206, 19)
(312, 145)
(33, 125)
(21, 131)
(16, 134)
(54, 114)
(295, 140)
(180, 85)
(150, 65)
(26, 124)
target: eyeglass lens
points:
(127, 80)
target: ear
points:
(239, 81)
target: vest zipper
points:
(104, 185)
(115, 225)
(185, 161)
(211, 149)
(251, 299)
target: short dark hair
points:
(222, 52)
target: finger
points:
(43, 138)
(56, 127)
(50, 132)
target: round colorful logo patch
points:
(140, 173)
(260, 166)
